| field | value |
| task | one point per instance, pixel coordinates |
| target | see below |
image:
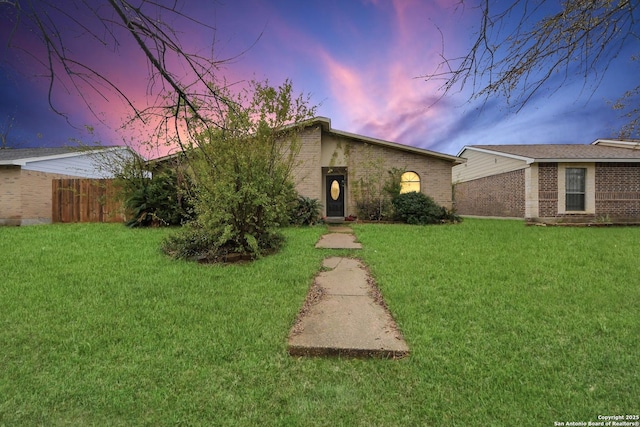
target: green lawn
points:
(507, 325)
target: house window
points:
(575, 188)
(409, 181)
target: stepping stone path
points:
(344, 314)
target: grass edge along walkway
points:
(344, 315)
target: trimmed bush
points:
(374, 209)
(418, 208)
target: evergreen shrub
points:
(305, 211)
(418, 208)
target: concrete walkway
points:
(344, 314)
(339, 238)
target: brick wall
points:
(435, 174)
(500, 195)
(367, 159)
(547, 190)
(307, 174)
(10, 195)
(618, 190)
(37, 196)
(548, 196)
(617, 193)
(25, 196)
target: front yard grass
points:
(507, 325)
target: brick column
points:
(531, 207)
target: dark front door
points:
(335, 195)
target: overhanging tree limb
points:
(521, 48)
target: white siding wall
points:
(480, 164)
(84, 165)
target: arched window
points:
(409, 181)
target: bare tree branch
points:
(5, 130)
(184, 85)
(521, 48)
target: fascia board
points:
(528, 160)
(617, 142)
(396, 145)
(588, 160)
(23, 161)
(15, 162)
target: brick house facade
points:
(536, 182)
(328, 155)
(26, 177)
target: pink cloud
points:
(365, 70)
(380, 96)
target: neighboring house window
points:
(410, 181)
(575, 185)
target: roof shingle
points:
(541, 152)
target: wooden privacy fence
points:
(85, 200)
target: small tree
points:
(393, 184)
(5, 129)
(242, 173)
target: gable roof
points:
(566, 153)
(22, 156)
(325, 122)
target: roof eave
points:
(617, 143)
(82, 151)
(395, 145)
(589, 160)
(528, 160)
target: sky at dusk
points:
(361, 61)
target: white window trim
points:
(590, 188)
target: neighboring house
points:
(26, 175)
(331, 161)
(549, 182)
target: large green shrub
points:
(158, 199)
(243, 172)
(161, 200)
(418, 208)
